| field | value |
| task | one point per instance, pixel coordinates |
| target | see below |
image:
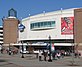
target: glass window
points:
(35, 25)
(38, 24)
(31, 26)
(52, 23)
(49, 24)
(43, 24)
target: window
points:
(41, 24)
(52, 24)
(45, 24)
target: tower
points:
(10, 28)
(78, 29)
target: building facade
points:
(58, 25)
(58, 28)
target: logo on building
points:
(21, 27)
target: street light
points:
(50, 60)
(22, 50)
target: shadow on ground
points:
(1, 60)
(73, 64)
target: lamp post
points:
(22, 50)
(50, 60)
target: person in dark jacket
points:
(45, 54)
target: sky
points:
(33, 7)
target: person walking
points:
(45, 54)
(40, 55)
(2, 51)
(58, 55)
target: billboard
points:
(67, 25)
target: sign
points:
(67, 25)
(21, 27)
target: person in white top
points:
(40, 55)
(58, 55)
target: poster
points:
(67, 25)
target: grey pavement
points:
(30, 60)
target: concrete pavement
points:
(29, 61)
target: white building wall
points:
(55, 33)
(23, 35)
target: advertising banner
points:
(67, 25)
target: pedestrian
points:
(58, 55)
(2, 51)
(40, 55)
(62, 54)
(45, 53)
(54, 55)
(10, 52)
(79, 54)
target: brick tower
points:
(10, 28)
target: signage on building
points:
(67, 25)
(21, 27)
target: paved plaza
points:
(31, 61)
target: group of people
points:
(9, 51)
(43, 54)
(14, 51)
(77, 54)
